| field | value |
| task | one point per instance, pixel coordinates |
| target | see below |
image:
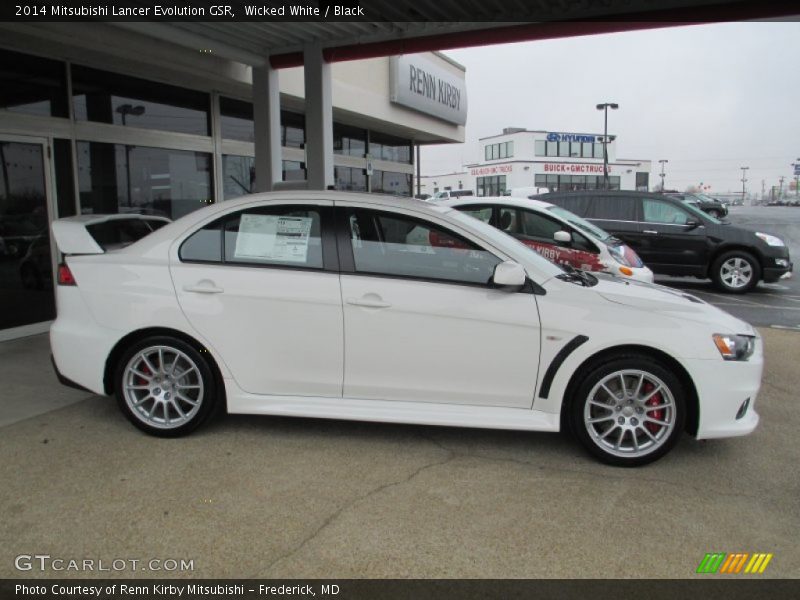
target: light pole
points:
(744, 180)
(663, 161)
(124, 110)
(796, 166)
(604, 107)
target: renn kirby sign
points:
(419, 83)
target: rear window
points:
(120, 233)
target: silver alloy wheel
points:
(162, 387)
(736, 272)
(630, 413)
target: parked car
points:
(447, 194)
(674, 238)
(707, 204)
(334, 305)
(557, 234)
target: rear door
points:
(617, 214)
(261, 285)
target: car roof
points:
(498, 200)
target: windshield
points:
(507, 243)
(581, 224)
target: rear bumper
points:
(66, 381)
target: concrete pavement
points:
(278, 497)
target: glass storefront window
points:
(236, 119)
(294, 171)
(541, 148)
(32, 85)
(293, 129)
(388, 147)
(351, 141)
(117, 178)
(350, 179)
(238, 175)
(494, 185)
(106, 97)
(388, 182)
(26, 273)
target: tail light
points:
(65, 275)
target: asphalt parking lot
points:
(278, 497)
(774, 305)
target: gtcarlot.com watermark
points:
(47, 563)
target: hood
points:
(668, 301)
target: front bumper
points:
(722, 388)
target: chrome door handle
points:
(650, 231)
(207, 287)
(367, 302)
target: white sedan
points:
(355, 306)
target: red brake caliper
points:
(142, 380)
(654, 414)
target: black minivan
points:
(673, 238)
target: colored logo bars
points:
(737, 562)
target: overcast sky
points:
(708, 98)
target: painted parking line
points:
(741, 301)
(782, 296)
(786, 327)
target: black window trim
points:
(330, 255)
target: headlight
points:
(618, 254)
(735, 347)
(770, 240)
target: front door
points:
(27, 302)
(422, 322)
(666, 243)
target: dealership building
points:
(130, 117)
(552, 160)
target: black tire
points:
(591, 439)
(205, 388)
(723, 260)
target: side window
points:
(538, 226)
(482, 213)
(658, 211)
(280, 235)
(613, 208)
(394, 244)
(580, 205)
(581, 242)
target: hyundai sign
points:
(419, 83)
(570, 137)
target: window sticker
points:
(271, 237)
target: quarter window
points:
(393, 244)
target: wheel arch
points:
(140, 334)
(607, 354)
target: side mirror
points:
(563, 237)
(509, 274)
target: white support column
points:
(267, 117)
(319, 119)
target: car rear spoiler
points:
(73, 236)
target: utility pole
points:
(780, 189)
(796, 166)
(663, 162)
(744, 180)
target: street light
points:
(744, 180)
(604, 107)
(124, 110)
(796, 166)
(663, 161)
